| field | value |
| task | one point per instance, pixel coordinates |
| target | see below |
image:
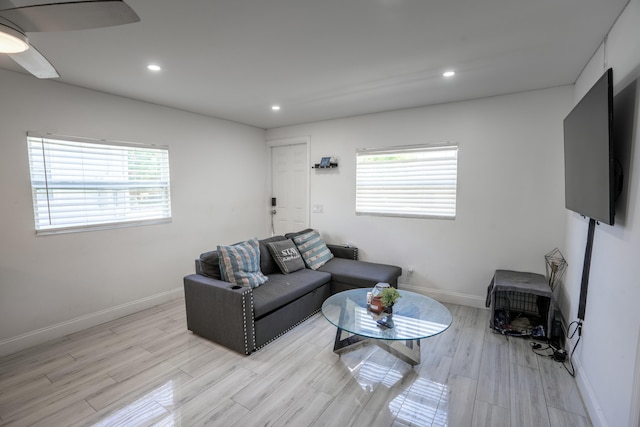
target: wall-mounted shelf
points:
(326, 163)
(330, 166)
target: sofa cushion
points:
(284, 288)
(286, 255)
(210, 265)
(313, 249)
(360, 273)
(267, 263)
(240, 264)
(297, 233)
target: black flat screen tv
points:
(588, 154)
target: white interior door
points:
(289, 186)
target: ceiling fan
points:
(18, 17)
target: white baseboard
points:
(589, 398)
(634, 417)
(39, 336)
(445, 296)
(586, 390)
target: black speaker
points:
(557, 331)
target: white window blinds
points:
(82, 184)
(417, 181)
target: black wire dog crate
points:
(520, 304)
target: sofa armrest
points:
(340, 251)
(217, 312)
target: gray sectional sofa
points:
(245, 319)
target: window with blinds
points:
(80, 184)
(416, 181)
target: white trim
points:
(404, 148)
(289, 141)
(634, 417)
(586, 391)
(39, 336)
(102, 227)
(446, 296)
(95, 140)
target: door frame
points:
(634, 419)
(280, 142)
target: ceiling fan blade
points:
(33, 61)
(70, 15)
(14, 4)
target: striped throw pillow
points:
(240, 264)
(313, 249)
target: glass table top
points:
(414, 316)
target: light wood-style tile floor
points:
(147, 369)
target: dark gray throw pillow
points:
(210, 265)
(286, 255)
(267, 263)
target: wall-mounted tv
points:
(590, 188)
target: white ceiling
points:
(324, 59)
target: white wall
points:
(53, 285)
(510, 208)
(608, 352)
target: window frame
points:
(111, 186)
(428, 213)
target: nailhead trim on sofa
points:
(247, 349)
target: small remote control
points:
(384, 324)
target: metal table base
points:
(406, 350)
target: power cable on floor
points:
(559, 354)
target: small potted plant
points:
(388, 297)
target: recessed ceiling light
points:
(275, 107)
(154, 67)
(449, 73)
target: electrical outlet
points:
(318, 208)
(410, 270)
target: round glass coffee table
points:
(414, 317)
